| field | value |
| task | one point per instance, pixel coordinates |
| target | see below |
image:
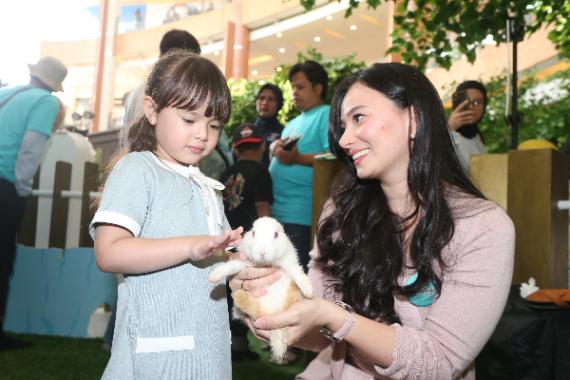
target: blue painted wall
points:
(54, 291)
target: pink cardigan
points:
(442, 340)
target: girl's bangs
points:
(198, 85)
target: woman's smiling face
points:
(376, 134)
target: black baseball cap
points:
(247, 133)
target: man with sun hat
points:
(27, 117)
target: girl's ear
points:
(149, 109)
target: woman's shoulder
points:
(472, 214)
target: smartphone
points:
(459, 97)
(291, 142)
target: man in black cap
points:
(248, 189)
(248, 195)
(27, 117)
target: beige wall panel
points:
(559, 236)
(145, 43)
(72, 52)
(489, 173)
(492, 61)
(323, 177)
(256, 11)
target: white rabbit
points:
(267, 244)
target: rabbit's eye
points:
(253, 233)
(276, 235)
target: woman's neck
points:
(402, 204)
(399, 197)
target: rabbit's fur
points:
(267, 244)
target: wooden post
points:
(27, 235)
(90, 183)
(324, 174)
(60, 205)
(537, 180)
(228, 52)
(528, 184)
(489, 173)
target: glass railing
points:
(135, 17)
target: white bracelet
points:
(348, 324)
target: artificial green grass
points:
(264, 369)
(60, 358)
(54, 358)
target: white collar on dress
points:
(190, 171)
(207, 185)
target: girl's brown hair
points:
(181, 79)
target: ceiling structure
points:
(326, 29)
(274, 42)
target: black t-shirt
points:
(246, 182)
(270, 131)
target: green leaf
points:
(434, 19)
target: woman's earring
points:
(412, 137)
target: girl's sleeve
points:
(126, 196)
(472, 300)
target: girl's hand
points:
(208, 245)
(254, 279)
(300, 319)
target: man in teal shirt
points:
(292, 170)
(27, 117)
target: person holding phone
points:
(292, 165)
(469, 102)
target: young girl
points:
(160, 221)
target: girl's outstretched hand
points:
(208, 245)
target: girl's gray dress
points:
(172, 323)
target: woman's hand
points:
(300, 319)
(254, 279)
(461, 116)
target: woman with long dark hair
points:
(412, 265)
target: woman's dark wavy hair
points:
(361, 240)
(181, 79)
